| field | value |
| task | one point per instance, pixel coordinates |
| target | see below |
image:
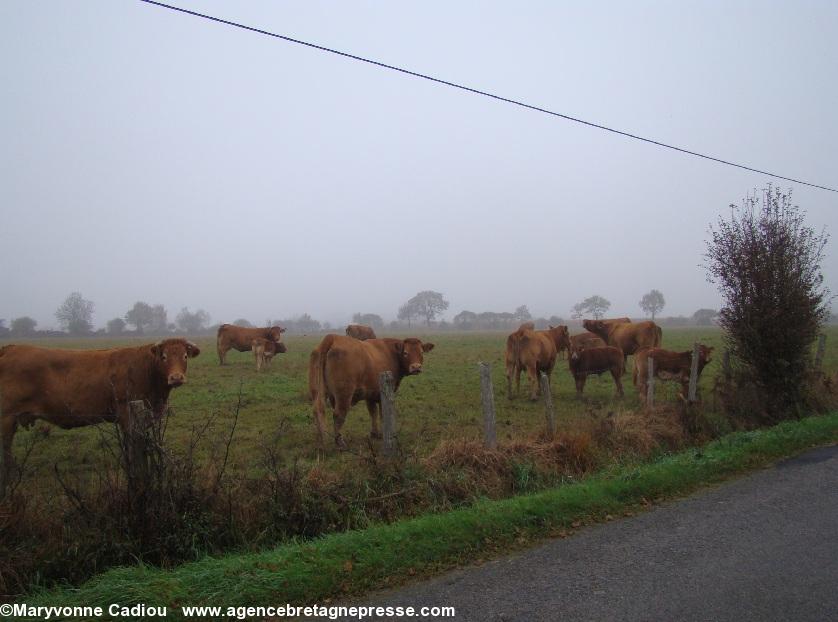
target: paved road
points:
(764, 547)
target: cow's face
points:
(561, 336)
(171, 356)
(704, 354)
(275, 333)
(598, 327)
(411, 355)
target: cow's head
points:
(704, 353)
(275, 333)
(410, 353)
(597, 327)
(170, 356)
(561, 337)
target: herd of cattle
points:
(73, 388)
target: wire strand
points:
(485, 94)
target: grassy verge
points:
(354, 562)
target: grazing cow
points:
(241, 339)
(668, 366)
(73, 388)
(534, 351)
(264, 351)
(629, 337)
(360, 332)
(583, 363)
(586, 340)
(345, 371)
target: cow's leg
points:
(641, 390)
(222, 353)
(616, 373)
(374, 409)
(510, 371)
(580, 384)
(342, 405)
(532, 373)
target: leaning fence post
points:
(388, 412)
(650, 384)
(693, 390)
(820, 352)
(488, 397)
(548, 404)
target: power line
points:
(483, 93)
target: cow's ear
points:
(156, 350)
(427, 347)
(399, 346)
(192, 350)
(282, 330)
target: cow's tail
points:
(658, 336)
(317, 373)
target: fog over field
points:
(150, 155)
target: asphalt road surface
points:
(764, 547)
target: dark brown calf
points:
(583, 363)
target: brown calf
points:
(668, 366)
(583, 363)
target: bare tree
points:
(75, 314)
(652, 303)
(595, 305)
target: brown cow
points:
(534, 351)
(345, 371)
(240, 338)
(264, 351)
(583, 363)
(668, 366)
(629, 337)
(73, 388)
(360, 332)
(586, 340)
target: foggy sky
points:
(148, 155)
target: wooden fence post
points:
(488, 397)
(650, 384)
(136, 446)
(693, 390)
(388, 412)
(548, 404)
(820, 352)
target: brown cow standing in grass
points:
(668, 366)
(344, 371)
(583, 363)
(74, 388)
(534, 351)
(264, 351)
(232, 337)
(629, 337)
(360, 332)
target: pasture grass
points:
(441, 403)
(339, 565)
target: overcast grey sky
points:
(149, 155)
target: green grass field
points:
(442, 403)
